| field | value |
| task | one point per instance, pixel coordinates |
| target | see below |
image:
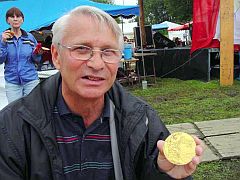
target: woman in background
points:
(19, 54)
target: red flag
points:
(205, 14)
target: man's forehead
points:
(82, 21)
(91, 18)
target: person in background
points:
(125, 38)
(80, 123)
(19, 58)
(178, 42)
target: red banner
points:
(205, 15)
(206, 24)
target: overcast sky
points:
(126, 2)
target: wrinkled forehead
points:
(97, 21)
(91, 21)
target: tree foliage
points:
(157, 11)
(181, 11)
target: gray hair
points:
(102, 17)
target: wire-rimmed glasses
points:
(84, 53)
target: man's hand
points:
(179, 171)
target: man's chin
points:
(92, 94)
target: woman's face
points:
(15, 21)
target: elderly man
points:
(80, 123)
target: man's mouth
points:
(93, 78)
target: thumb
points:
(160, 145)
(163, 163)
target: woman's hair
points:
(98, 15)
(14, 11)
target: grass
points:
(219, 170)
(178, 101)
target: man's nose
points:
(96, 60)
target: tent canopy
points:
(41, 13)
(181, 27)
(164, 25)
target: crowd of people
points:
(80, 123)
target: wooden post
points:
(226, 42)
(141, 23)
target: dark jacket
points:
(27, 140)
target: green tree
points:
(180, 11)
(155, 12)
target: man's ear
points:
(55, 56)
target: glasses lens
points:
(111, 55)
(81, 52)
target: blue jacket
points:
(17, 54)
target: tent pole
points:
(122, 21)
(141, 44)
(142, 34)
(122, 26)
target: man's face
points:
(91, 78)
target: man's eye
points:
(109, 52)
(82, 49)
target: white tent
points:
(184, 35)
(236, 23)
(127, 29)
(172, 34)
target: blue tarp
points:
(163, 25)
(42, 13)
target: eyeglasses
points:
(84, 53)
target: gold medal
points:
(179, 148)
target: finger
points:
(160, 144)
(5, 37)
(200, 146)
(196, 160)
(8, 35)
(199, 150)
(6, 32)
(197, 140)
(190, 168)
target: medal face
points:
(179, 148)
